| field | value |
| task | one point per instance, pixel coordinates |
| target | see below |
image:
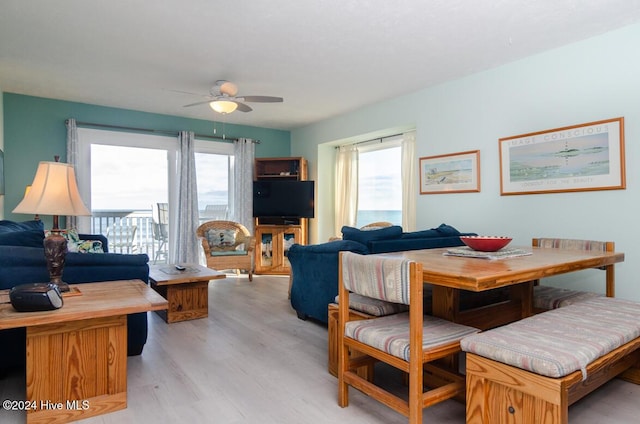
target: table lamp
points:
(54, 191)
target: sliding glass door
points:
(129, 183)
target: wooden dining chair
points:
(406, 341)
(547, 297)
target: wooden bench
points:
(530, 371)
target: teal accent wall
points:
(34, 130)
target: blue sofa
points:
(22, 261)
(314, 268)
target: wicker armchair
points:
(227, 245)
(372, 226)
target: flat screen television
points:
(283, 198)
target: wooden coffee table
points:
(186, 291)
(77, 355)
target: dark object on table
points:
(33, 297)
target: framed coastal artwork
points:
(576, 158)
(450, 173)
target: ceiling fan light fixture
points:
(223, 106)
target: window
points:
(379, 182)
(214, 162)
(128, 178)
(123, 176)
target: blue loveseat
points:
(314, 268)
(22, 261)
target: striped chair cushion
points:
(572, 244)
(558, 342)
(375, 307)
(229, 253)
(547, 297)
(376, 277)
(391, 333)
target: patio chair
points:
(376, 225)
(227, 245)
(160, 230)
(409, 341)
(547, 297)
(121, 237)
(216, 212)
(369, 227)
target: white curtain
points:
(72, 158)
(346, 189)
(186, 242)
(409, 181)
(243, 161)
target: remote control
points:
(180, 268)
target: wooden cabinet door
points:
(286, 238)
(273, 246)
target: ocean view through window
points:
(379, 184)
(125, 176)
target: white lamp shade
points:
(223, 106)
(54, 191)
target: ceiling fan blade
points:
(199, 103)
(188, 92)
(262, 99)
(242, 107)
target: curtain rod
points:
(380, 139)
(165, 132)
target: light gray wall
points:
(587, 81)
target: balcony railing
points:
(117, 226)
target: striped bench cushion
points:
(391, 333)
(558, 342)
(547, 297)
(375, 307)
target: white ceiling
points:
(325, 57)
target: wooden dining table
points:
(449, 275)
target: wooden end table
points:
(186, 291)
(77, 355)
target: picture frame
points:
(450, 173)
(581, 157)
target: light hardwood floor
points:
(253, 361)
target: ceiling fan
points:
(223, 98)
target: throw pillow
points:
(30, 238)
(386, 233)
(76, 245)
(447, 230)
(422, 234)
(443, 230)
(221, 238)
(87, 246)
(8, 226)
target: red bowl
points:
(485, 243)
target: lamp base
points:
(55, 252)
(62, 286)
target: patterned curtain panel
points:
(346, 189)
(186, 241)
(244, 155)
(72, 158)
